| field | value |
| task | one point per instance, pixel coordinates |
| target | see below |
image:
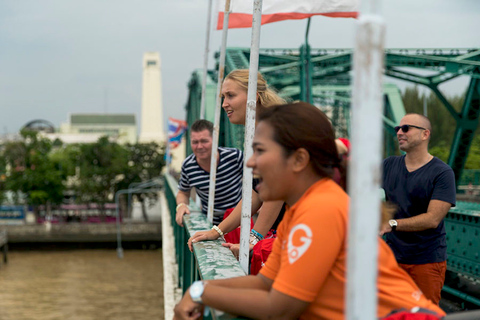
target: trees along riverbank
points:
(36, 171)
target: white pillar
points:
(365, 172)
(152, 106)
(244, 254)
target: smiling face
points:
(201, 143)
(408, 141)
(234, 101)
(269, 163)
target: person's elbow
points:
(434, 222)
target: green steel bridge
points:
(323, 77)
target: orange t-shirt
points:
(308, 260)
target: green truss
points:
(322, 77)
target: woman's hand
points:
(202, 236)
(235, 248)
(188, 309)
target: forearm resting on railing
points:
(253, 297)
(267, 216)
(182, 199)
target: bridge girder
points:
(286, 70)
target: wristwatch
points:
(196, 291)
(393, 224)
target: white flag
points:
(277, 10)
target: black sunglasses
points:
(407, 127)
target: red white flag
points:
(277, 10)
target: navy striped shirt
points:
(228, 187)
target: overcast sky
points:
(68, 56)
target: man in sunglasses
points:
(423, 189)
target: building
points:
(87, 128)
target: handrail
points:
(209, 260)
(4, 244)
(140, 185)
(117, 212)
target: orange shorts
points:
(429, 278)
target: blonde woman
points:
(234, 92)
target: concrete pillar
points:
(152, 106)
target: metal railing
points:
(209, 259)
(462, 225)
(4, 245)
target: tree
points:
(473, 159)
(145, 162)
(33, 174)
(39, 171)
(101, 166)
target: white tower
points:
(152, 106)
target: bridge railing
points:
(209, 259)
(462, 225)
(4, 244)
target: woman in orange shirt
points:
(305, 275)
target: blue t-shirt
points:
(412, 192)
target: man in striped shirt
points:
(196, 173)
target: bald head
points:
(418, 120)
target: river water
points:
(82, 285)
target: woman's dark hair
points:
(302, 125)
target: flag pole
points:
(205, 60)
(216, 126)
(167, 158)
(249, 133)
(365, 162)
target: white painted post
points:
(365, 165)
(216, 126)
(249, 133)
(205, 60)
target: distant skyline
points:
(61, 57)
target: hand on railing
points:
(188, 309)
(235, 248)
(202, 236)
(182, 209)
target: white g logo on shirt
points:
(295, 252)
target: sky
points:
(85, 56)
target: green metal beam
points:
(445, 102)
(465, 130)
(286, 71)
(306, 71)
